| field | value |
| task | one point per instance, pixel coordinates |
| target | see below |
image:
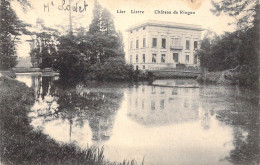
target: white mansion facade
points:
(157, 44)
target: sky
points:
(55, 16)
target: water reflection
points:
(81, 115)
(168, 125)
(155, 105)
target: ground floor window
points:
(187, 59)
(136, 67)
(162, 104)
(176, 57)
(195, 59)
(152, 105)
(195, 45)
(154, 58)
(163, 58)
(131, 58)
(153, 90)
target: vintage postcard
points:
(169, 82)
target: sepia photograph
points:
(129, 82)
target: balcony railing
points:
(175, 47)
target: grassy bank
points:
(246, 76)
(21, 144)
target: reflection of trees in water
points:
(46, 82)
(36, 85)
(244, 117)
(80, 103)
(103, 103)
(205, 116)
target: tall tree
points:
(238, 50)
(70, 62)
(10, 28)
(247, 15)
(107, 23)
(95, 24)
(103, 40)
(245, 12)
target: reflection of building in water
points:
(152, 105)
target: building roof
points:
(166, 24)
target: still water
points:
(154, 123)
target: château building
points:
(157, 44)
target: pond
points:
(151, 122)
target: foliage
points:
(44, 44)
(96, 54)
(95, 23)
(10, 27)
(103, 40)
(248, 76)
(232, 51)
(229, 50)
(70, 63)
(244, 12)
(112, 69)
(239, 49)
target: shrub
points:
(112, 69)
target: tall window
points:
(143, 58)
(153, 90)
(137, 44)
(152, 105)
(176, 57)
(163, 58)
(131, 44)
(195, 44)
(162, 104)
(154, 43)
(187, 59)
(144, 42)
(195, 59)
(163, 43)
(187, 44)
(154, 58)
(137, 58)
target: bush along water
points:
(21, 144)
